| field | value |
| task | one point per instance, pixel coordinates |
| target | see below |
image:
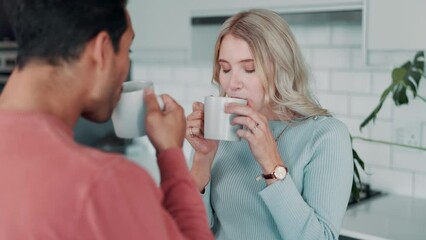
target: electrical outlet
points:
(409, 134)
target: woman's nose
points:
(235, 81)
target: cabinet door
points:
(162, 29)
(395, 24)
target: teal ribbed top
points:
(308, 204)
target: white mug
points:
(128, 117)
(217, 123)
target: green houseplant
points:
(405, 78)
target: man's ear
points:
(103, 50)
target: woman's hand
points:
(257, 133)
(195, 131)
(205, 149)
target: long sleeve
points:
(316, 212)
(126, 204)
(181, 197)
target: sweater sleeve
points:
(127, 204)
(317, 212)
(181, 197)
(206, 199)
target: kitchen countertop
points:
(386, 217)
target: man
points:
(72, 59)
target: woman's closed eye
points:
(250, 70)
(226, 70)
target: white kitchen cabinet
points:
(162, 29)
(395, 24)
(201, 8)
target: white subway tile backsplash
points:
(206, 76)
(373, 153)
(419, 185)
(401, 57)
(186, 75)
(160, 74)
(312, 34)
(409, 159)
(331, 58)
(139, 72)
(414, 112)
(351, 82)
(174, 90)
(391, 181)
(353, 127)
(423, 135)
(321, 80)
(307, 55)
(389, 58)
(362, 106)
(335, 103)
(381, 81)
(379, 58)
(358, 59)
(346, 34)
(381, 130)
(196, 93)
(160, 56)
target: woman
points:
(300, 156)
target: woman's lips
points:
(238, 97)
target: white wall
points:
(332, 46)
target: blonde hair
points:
(278, 60)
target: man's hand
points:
(165, 129)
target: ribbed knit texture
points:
(309, 204)
(55, 189)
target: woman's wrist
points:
(201, 180)
(269, 166)
(200, 170)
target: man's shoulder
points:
(94, 160)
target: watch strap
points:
(273, 174)
(268, 176)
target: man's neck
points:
(45, 89)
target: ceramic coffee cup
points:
(217, 123)
(128, 117)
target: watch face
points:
(280, 172)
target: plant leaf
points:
(358, 159)
(373, 115)
(419, 60)
(406, 77)
(355, 190)
(356, 182)
(400, 95)
(398, 74)
(411, 85)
